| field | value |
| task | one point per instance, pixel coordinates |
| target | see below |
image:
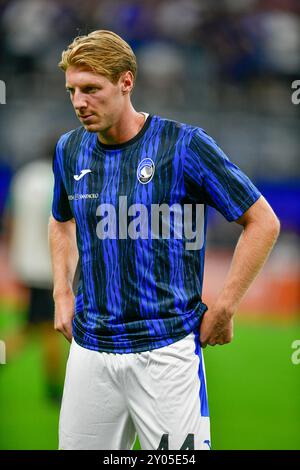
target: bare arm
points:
(64, 257)
(261, 229)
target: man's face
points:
(98, 102)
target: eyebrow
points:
(86, 85)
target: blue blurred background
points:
(228, 67)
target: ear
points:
(127, 82)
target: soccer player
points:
(30, 261)
(131, 195)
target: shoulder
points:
(162, 122)
(71, 138)
(194, 134)
(201, 139)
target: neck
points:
(125, 128)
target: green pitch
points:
(253, 391)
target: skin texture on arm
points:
(64, 258)
(260, 232)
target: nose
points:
(79, 100)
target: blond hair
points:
(104, 52)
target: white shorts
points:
(159, 394)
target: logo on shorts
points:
(145, 170)
(207, 442)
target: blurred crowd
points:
(239, 39)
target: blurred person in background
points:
(27, 218)
(138, 324)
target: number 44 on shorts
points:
(189, 443)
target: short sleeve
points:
(60, 205)
(211, 177)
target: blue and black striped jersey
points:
(141, 212)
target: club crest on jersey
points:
(145, 170)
